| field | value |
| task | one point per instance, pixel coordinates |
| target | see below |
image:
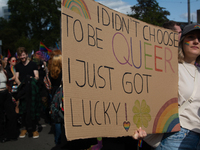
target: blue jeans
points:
(182, 140)
(57, 133)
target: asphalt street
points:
(44, 142)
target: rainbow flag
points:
(16, 55)
(140, 143)
(1, 57)
(43, 48)
(57, 45)
(12, 68)
(9, 54)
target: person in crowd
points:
(41, 65)
(7, 110)
(189, 74)
(39, 59)
(52, 54)
(175, 26)
(10, 69)
(26, 66)
(55, 76)
(47, 74)
(28, 94)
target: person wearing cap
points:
(188, 138)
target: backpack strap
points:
(60, 101)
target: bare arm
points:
(17, 78)
(14, 76)
(36, 73)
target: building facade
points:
(6, 12)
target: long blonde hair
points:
(52, 54)
(56, 66)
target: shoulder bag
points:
(47, 82)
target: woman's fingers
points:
(139, 134)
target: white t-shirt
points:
(190, 117)
(3, 80)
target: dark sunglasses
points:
(14, 61)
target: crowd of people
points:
(28, 85)
(24, 94)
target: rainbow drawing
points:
(126, 125)
(77, 6)
(187, 42)
(197, 26)
(167, 119)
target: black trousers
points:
(8, 116)
(31, 126)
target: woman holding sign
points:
(189, 96)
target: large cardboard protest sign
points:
(119, 73)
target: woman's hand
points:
(139, 134)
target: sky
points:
(178, 8)
(2, 3)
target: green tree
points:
(149, 11)
(35, 21)
(8, 35)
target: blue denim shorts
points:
(182, 140)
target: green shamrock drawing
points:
(141, 114)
